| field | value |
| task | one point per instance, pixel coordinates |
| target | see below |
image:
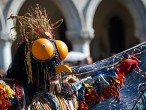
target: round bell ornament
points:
(42, 49)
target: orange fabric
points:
(4, 103)
(120, 77)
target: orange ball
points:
(62, 49)
(42, 49)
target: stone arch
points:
(77, 32)
(105, 11)
(137, 9)
(73, 18)
(89, 12)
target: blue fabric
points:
(110, 72)
(129, 93)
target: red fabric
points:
(127, 64)
(134, 58)
(120, 77)
(92, 97)
(124, 67)
(114, 88)
(4, 103)
(83, 105)
(18, 90)
(107, 93)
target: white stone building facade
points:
(94, 27)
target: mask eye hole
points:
(61, 48)
(42, 49)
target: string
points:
(104, 67)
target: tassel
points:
(51, 88)
(55, 85)
(58, 87)
(28, 61)
(75, 102)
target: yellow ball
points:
(62, 49)
(42, 49)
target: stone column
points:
(80, 40)
(5, 51)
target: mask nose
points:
(60, 68)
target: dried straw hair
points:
(35, 24)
